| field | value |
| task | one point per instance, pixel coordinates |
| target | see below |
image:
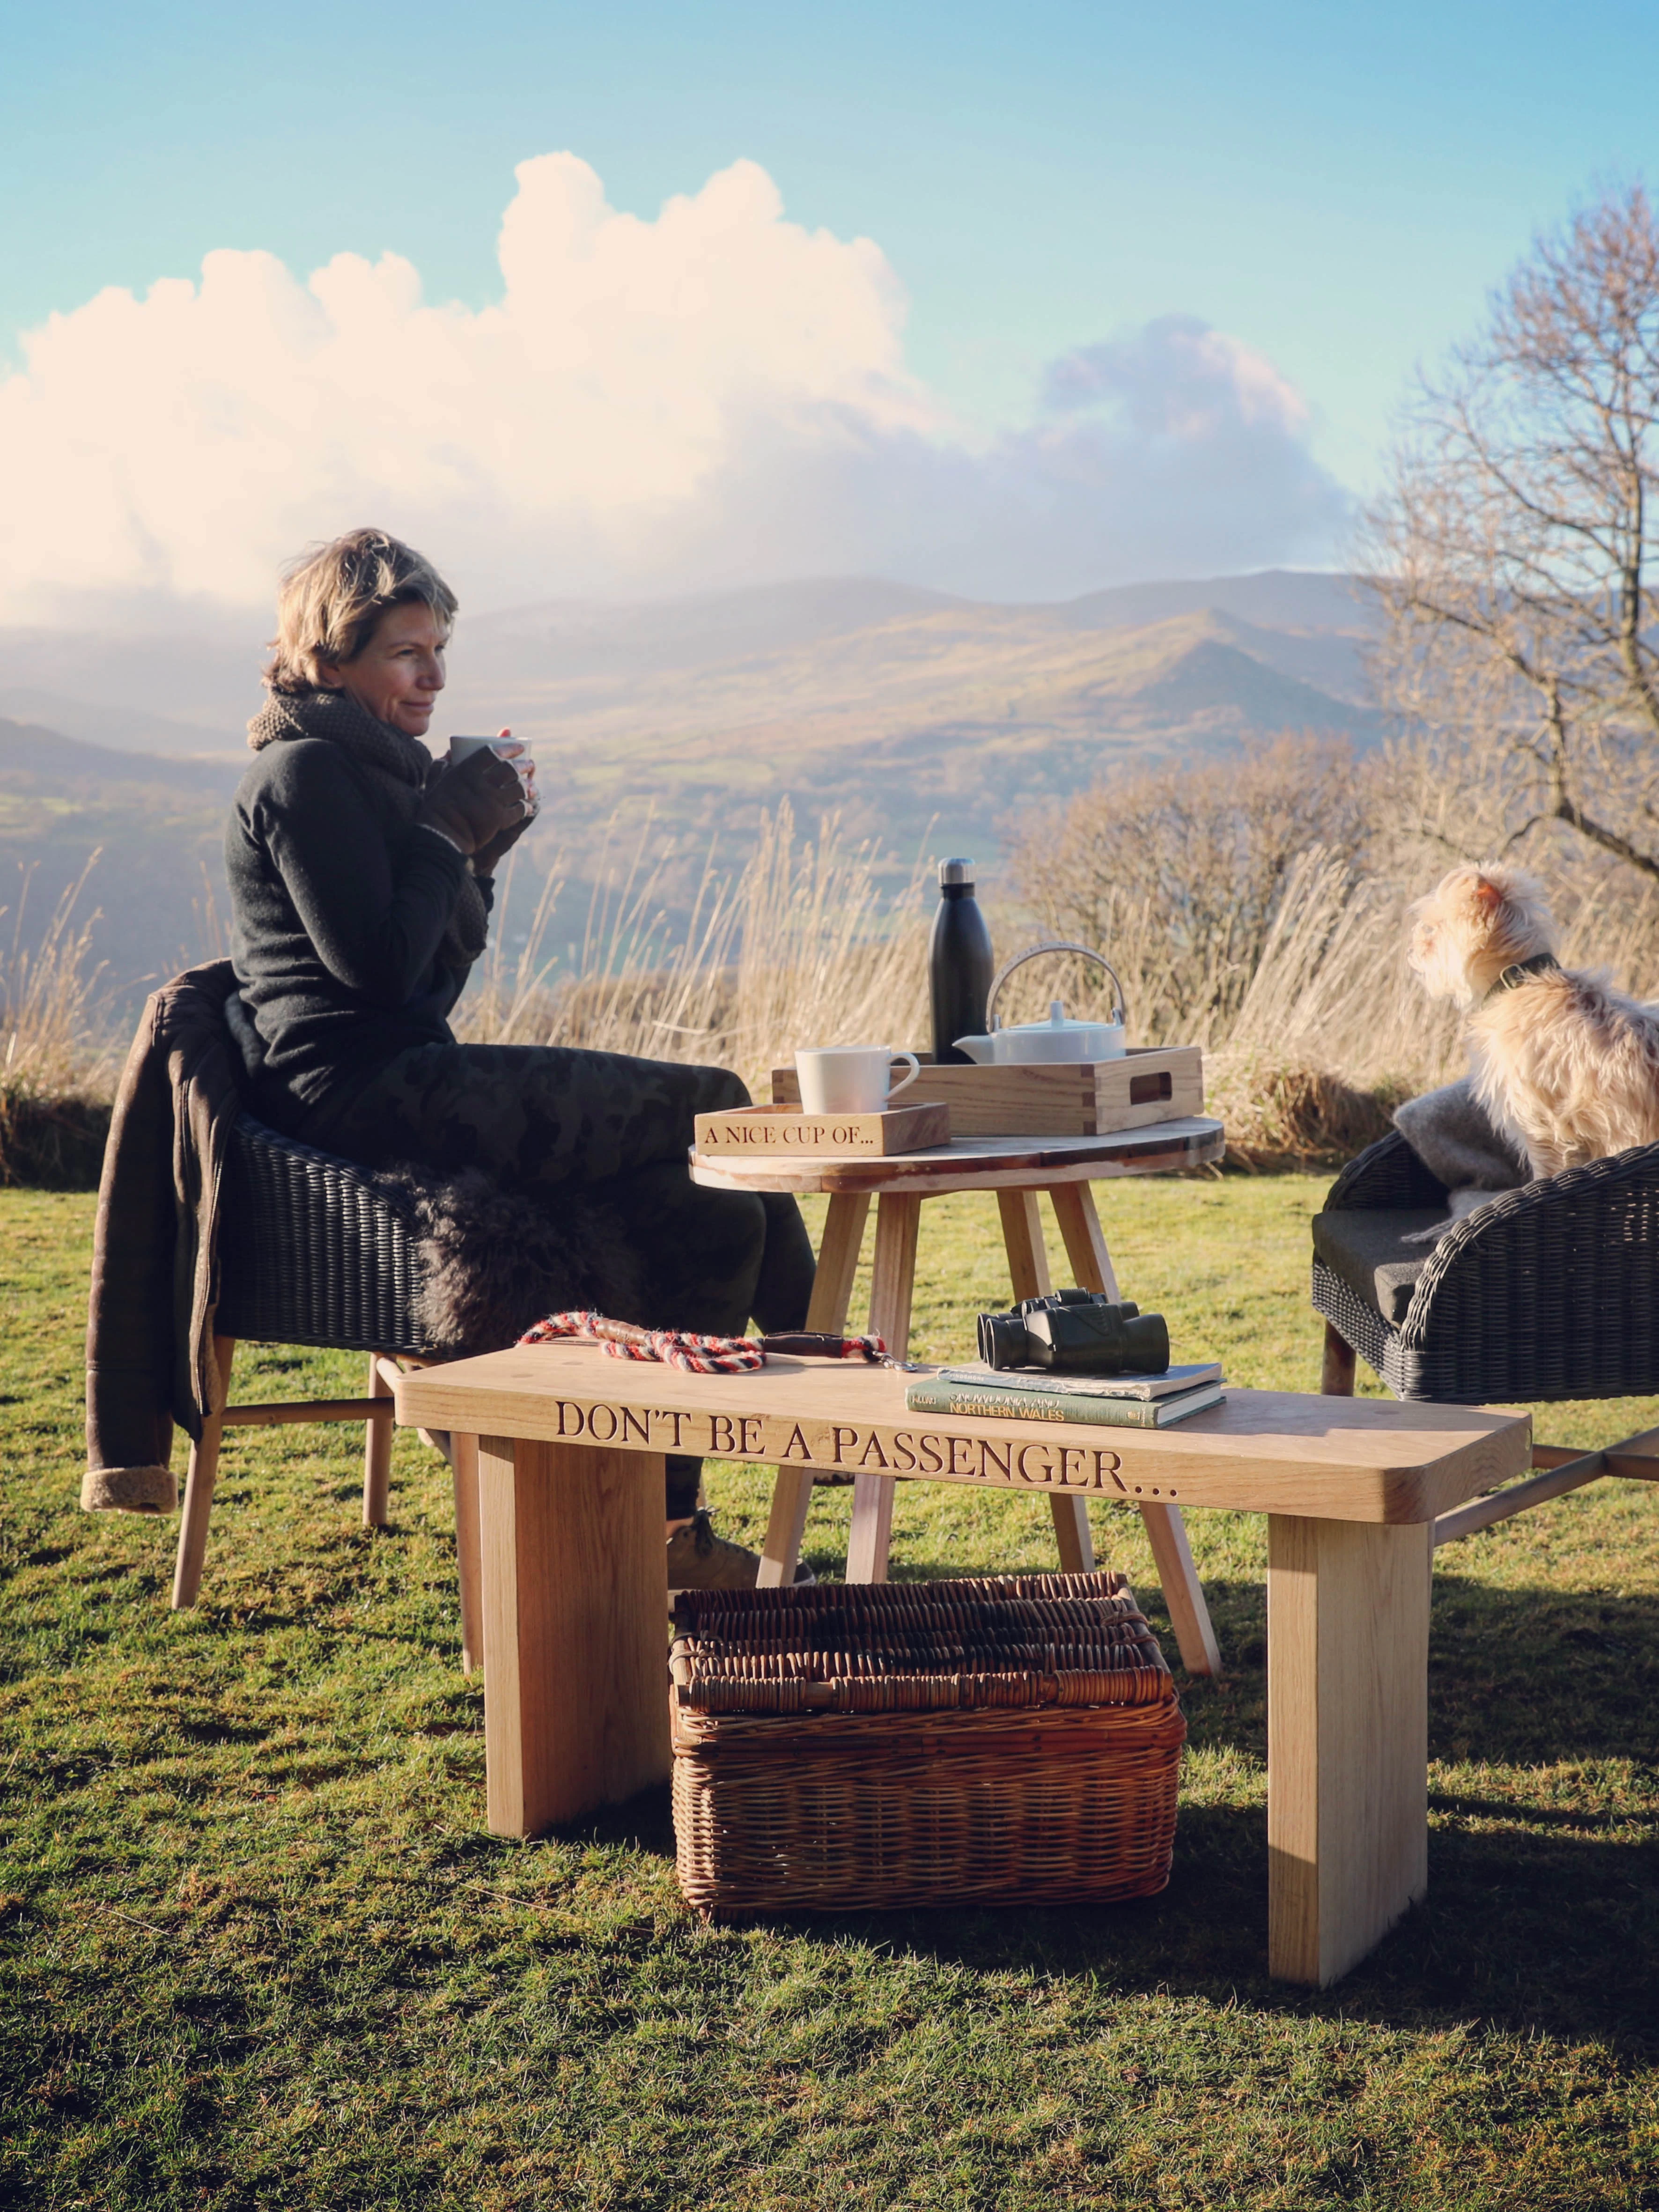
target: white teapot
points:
(1054, 1039)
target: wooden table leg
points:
(1347, 1738)
(464, 1465)
(1022, 1240)
(575, 1593)
(892, 1286)
(832, 1294)
(1183, 1594)
(1084, 1238)
(1028, 1272)
(838, 1261)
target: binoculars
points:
(1077, 1332)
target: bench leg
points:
(198, 1489)
(377, 1455)
(893, 1281)
(1183, 1594)
(575, 1587)
(1347, 1738)
(832, 1294)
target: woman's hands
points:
(476, 804)
(490, 857)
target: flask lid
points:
(956, 872)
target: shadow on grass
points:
(644, 1822)
(1540, 1675)
(1540, 1913)
(1520, 1929)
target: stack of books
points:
(1118, 1401)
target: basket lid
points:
(1015, 1640)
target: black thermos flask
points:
(960, 962)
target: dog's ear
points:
(1486, 894)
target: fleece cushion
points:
(1364, 1248)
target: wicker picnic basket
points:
(922, 1743)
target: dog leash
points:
(707, 1355)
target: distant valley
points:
(921, 720)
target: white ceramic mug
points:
(462, 748)
(513, 750)
(850, 1079)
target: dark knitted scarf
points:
(401, 768)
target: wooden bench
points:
(570, 1474)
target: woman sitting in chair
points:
(361, 882)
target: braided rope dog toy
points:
(705, 1355)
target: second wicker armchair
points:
(1548, 1293)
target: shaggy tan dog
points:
(1561, 1061)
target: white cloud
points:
(716, 396)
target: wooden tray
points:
(1071, 1098)
(749, 1130)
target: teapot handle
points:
(1049, 944)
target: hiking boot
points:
(699, 1560)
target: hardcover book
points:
(936, 1394)
(1166, 1385)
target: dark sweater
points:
(339, 908)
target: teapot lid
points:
(1057, 1020)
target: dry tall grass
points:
(57, 1053)
(1310, 1039)
(1332, 1030)
(51, 1029)
(1182, 869)
(802, 947)
(1313, 1025)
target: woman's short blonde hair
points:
(332, 596)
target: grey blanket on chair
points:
(1452, 1134)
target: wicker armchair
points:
(1548, 1293)
(312, 1251)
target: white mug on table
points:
(850, 1079)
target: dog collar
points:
(1518, 971)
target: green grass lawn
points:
(259, 1951)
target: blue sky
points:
(1333, 187)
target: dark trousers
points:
(539, 1118)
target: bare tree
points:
(1176, 874)
(1513, 556)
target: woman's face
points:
(400, 671)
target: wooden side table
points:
(1018, 1169)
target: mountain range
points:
(921, 721)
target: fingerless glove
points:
(473, 803)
